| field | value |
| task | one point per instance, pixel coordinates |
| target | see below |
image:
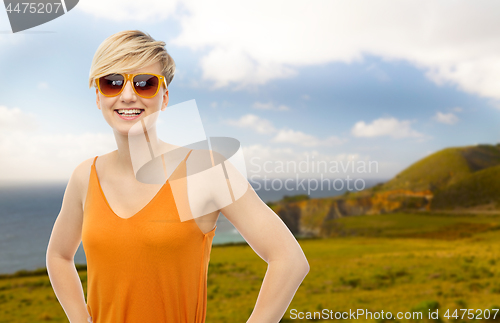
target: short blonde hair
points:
(128, 50)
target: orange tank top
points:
(149, 268)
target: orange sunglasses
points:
(145, 85)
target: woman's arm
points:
(63, 243)
(270, 238)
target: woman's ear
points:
(97, 98)
(165, 101)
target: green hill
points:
(444, 168)
(460, 179)
(479, 188)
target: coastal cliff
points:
(459, 179)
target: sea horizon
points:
(28, 212)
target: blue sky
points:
(381, 81)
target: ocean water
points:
(28, 212)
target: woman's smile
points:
(129, 113)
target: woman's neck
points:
(134, 151)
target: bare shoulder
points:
(82, 171)
(66, 233)
(81, 176)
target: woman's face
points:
(128, 99)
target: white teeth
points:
(131, 111)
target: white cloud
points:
(27, 154)
(270, 106)
(13, 120)
(221, 104)
(262, 160)
(448, 118)
(385, 127)
(299, 138)
(269, 153)
(452, 41)
(231, 65)
(48, 157)
(305, 140)
(254, 122)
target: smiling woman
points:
(145, 261)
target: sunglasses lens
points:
(146, 85)
(111, 84)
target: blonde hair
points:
(128, 50)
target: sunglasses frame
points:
(130, 77)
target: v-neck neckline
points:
(138, 212)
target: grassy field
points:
(391, 262)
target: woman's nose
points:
(128, 93)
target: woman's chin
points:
(127, 130)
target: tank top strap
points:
(189, 153)
(93, 163)
(175, 170)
